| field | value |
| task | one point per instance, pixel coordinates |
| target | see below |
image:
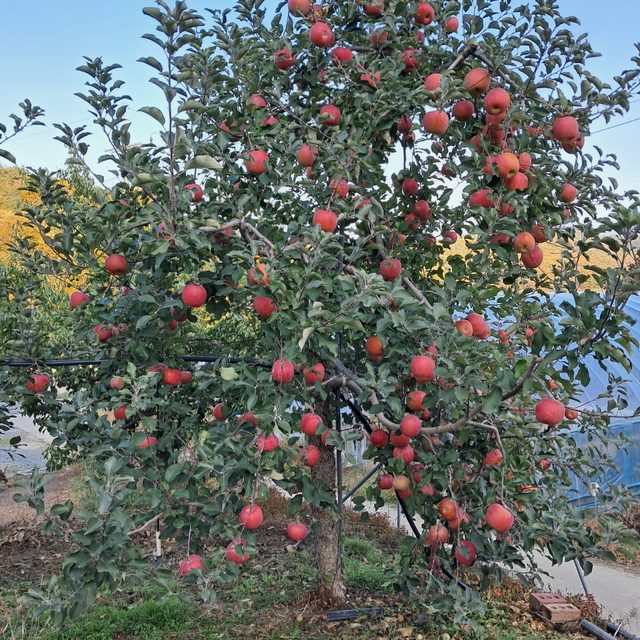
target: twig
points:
(147, 524)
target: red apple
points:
(570, 414)
(499, 518)
(463, 110)
(309, 423)
(251, 517)
(524, 242)
(422, 209)
(533, 259)
(423, 369)
(103, 332)
(525, 161)
(171, 377)
(78, 298)
(497, 101)
(477, 81)
(465, 553)
(284, 59)
(401, 483)
(149, 441)
(410, 425)
(282, 371)
(405, 124)
(492, 458)
(232, 555)
(436, 122)
(550, 411)
(264, 307)
(374, 347)
(424, 13)
(379, 438)
(194, 295)
(436, 534)
(296, 531)
(321, 35)
(565, 129)
(116, 264)
(299, 7)
(191, 563)
(220, 411)
(307, 155)
(256, 163)
(405, 453)
(481, 199)
(390, 269)
(398, 439)
(373, 7)
(568, 193)
(433, 82)
(314, 374)
(268, 443)
(196, 191)
(326, 220)
(410, 186)
(452, 25)
(116, 382)
(415, 400)
(330, 115)
(448, 508)
(518, 182)
(464, 327)
(311, 455)
(508, 165)
(342, 55)
(385, 481)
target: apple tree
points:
(313, 168)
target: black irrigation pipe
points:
(620, 632)
(595, 631)
(416, 532)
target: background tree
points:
(276, 191)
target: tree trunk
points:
(333, 590)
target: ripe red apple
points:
(257, 101)
(339, 187)
(314, 374)
(550, 411)
(465, 553)
(264, 307)
(518, 182)
(533, 259)
(410, 59)
(282, 371)
(497, 101)
(433, 82)
(311, 455)
(186, 377)
(284, 59)
(309, 423)
(374, 347)
(258, 276)
(149, 441)
(481, 199)
(342, 55)
(410, 186)
(537, 230)
(378, 38)
(307, 155)
(256, 163)
(422, 210)
(330, 115)
(103, 332)
(410, 425)
(568, 193)
(326, 220)
(464, 327)
(373, 7)
(405, 124)
(191, 563)
(299, 7)
(570, 414)
(415, 400)
(390, 269)
(450, 236)
(194, 295)
(423, 369)
(398, 439)
(321, 35)
(452, 25)
(448, 508)
(406, 454)
(424, 13)
(436, 534)
(116, 264)
(171, 377)
(379, 438)
(116, 382)
(494, 457)
(251, 517)
(524, 242)
(477, 81)
(436, 122)
(525, 161)
(121, 412)
(296, 531)
(385, 481)
(508, 165)
(196, 191)
(78, 298)
(463, 110)
(565, 129)
(220, 411)
(480, 327)
(232, 555)
(268, 443)
(499, 518)
(246, 418)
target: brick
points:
(538, 600)
(560, 613)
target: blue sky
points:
(43, 42)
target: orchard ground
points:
(271, 599)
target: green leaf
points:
(143, 322)
(228, 373)
(204, 162)
(7, 156)
(154, 112)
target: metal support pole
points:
(361, 482)
(581, 576)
